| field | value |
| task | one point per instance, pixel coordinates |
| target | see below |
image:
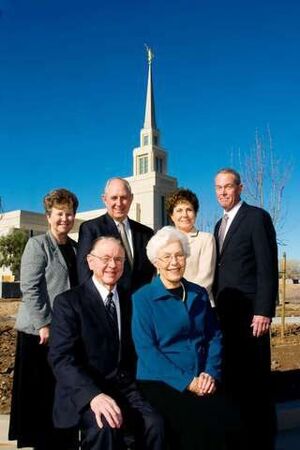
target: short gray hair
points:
(106, 238)
(125, 182)
(163, 237)
(237, 176)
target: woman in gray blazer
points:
(48, 268)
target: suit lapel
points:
(192, 295)
(110, 226)
(124, 310)
(135, 235)
(94, 299)
(241, 214)
(55, 251)
(112, 230)
(216, 232)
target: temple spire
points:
(150, 122)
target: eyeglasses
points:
(107, 259)
(166, 259)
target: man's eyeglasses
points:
(107, 259)
(166, 259)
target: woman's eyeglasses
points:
(166, 259)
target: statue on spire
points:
(150, 54)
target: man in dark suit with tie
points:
(245, 289)
(137, 269)
(90, 353)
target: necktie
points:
(221, 233)
(126, 243)
(111, 311)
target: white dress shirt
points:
(231, 215)
(103, 291)
(128, 233)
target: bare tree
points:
(293, 268)
(1, 209)
(265, 177)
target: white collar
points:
(232, 213)
(103, 291)
(125, 222)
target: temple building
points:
(150, 182)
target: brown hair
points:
(181, 195)
(60, 198)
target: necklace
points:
(183, 291)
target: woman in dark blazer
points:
(48, 267)
(178, 343)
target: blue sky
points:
(73, 81)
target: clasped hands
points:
(204, 384)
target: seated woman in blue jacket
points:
(178, 343)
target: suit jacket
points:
(131, 279)
(84, 350)
(44, 275)
(175, 341)
(246, 279)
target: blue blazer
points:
(175, 340)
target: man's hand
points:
(260, 325)
(203, 385)
(44, 334)
(104, 405)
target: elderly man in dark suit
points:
(245, 288)
(137, 269)
(90, 353)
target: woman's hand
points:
(206, 384)
(203, 385)
(44, 334)
(193, 386)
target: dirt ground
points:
(285, 347)
(286, 341)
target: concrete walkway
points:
(288, 420)
(288, 320)
(5, 444)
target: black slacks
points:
(194, 423)
(247, 376)
(140, 421)
(32, 400)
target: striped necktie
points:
(111, 311)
